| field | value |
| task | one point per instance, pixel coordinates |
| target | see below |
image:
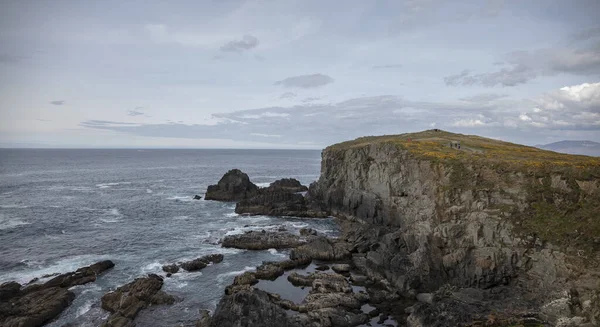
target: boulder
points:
(233, 186)
(255, 240)
(201, 263)
(197, 197)
(128, 300)
(171, 269)
(281, 198)
(322, 248)
(37, 304)
(341, 268)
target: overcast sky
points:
(295, 74)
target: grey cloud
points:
(485, 97)
(6, 58)
(288, 95)
(311, 99)
(306, 81)
(105, 124)
(246, 43)
(525, 66)
(586, 34)
(389, 66)
(135, 112)
(57, 102)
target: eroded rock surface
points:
(235, 185)
(128, 300)
(37, 304)
(262, 240)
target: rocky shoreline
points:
(418, 247)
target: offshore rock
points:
(233, 186)
(128, 300)
(37, 304)
(283, 197)
(262, 240)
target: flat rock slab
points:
(263, 240)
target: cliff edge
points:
(478, 224)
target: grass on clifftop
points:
(435, 144)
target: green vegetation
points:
(563, 214)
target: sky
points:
(295, 74)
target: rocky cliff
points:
(484, 226)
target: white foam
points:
(84, 308)
(231, 214)
(263, 184)
(181, 198)
(275, 252)
(108, 185)
(9, 223)
(149, 191)
(115, 212)
(13, 206)
(152, 267)
(255, 218)
(104, 220)
(221, 277)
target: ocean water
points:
(64, 209)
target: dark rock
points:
(233, 186)
(281, 198)
(197, 197)
(307, 232)
(37, 304)
(171, 269)
(262, 241)
(322, 248)
(128, 300)
(205, 319)
(322, 268)
(300, 280)
(201, 263)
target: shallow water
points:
(64, 209)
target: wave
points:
(10, 223)
(267, 184)
(149, 191)
(108, 185)
(221, 277)
(84, 308)
(13, 206)
(277, 253)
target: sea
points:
(61, 209)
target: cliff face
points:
(427, 212)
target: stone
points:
(201, 263)
(341, 268)
(128, 300)
(255, 240)
(322, 248)
(197, 197)
(171, 269)
(235, 185)
(307, 232)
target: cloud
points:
(135, 112)
(311, 99)
(525, 66)
(484, 97)
(288, 95)
(57, 102)
(389, 66)
(6, 58)
(246, 43)
(586, 34)
(306, 81)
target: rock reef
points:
(233, 186)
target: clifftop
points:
(442, 145)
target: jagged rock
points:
(307, 232)
(281, 198)
(255, 240)
(37, 304)
(322, 248)
(322, 268)
(233, 186)
(197, 197)
(128, 300)
(201, 263)
(205, 319)
(300, 280)
(171, 269)
(341, 268)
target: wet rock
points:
(359, 280)
(281, 198)
(37, 304)
(341, 268)
(171, 269)
(255, 240)
(128, 300)
(205, 319)
(307, 232)
(197, 197)
(322, 268)
(233, 186)
(300, 280)
(425, 297)
(201, 263)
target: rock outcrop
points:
(37, 304)
(193, 265)
(283, 197)
(508, 220)
(128, 300)
(262, 240)
(233, 186)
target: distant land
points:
(588, 148)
